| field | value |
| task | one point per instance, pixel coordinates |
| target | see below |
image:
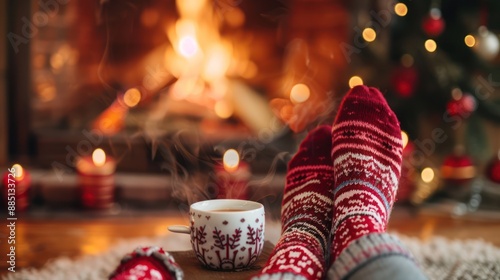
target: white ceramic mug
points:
(226, 234)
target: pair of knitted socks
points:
(340, 186)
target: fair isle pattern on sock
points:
(306, 213)
(364, 250)
(367, 156)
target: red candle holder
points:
(17, 184)
(96, 181)
(232, 177)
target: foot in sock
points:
(306, 212)
(367, 155)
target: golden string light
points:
(470, 41)
(430, 45)
(355, 81)
(369, 35)
(400, 9)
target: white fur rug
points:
(440, 258)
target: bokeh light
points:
(401, 9)
(300, 93)
(355, 81)
(132, 97)
(369, 35)
(430, 45)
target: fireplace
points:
(159, 83)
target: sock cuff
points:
(364, 250)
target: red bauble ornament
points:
(433, 24)
(458, 169)
(461, 105)
(493, 169)
(404, 81)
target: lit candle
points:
(232, 176)
(96, 180)
(16, 183)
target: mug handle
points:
(180, 229)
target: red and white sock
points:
(306, 213)
(367, 155)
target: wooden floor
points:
(38, 240)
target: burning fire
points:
(198, 76)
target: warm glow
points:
(369, 34)
(190, 8)
(430, 45)
(231, 160)
(57, 61)
(355, 81)
(407, 60)
(401, 9)
(470, 41)
(132, 97)
(188, 46)
(94, 245)
(456, 94)
(300, 93)
(286, 112)
(99, 157)
(185, 88)
(150, 17)
(19, 171)
(234, 17)
(249, 71)
(185, 27)
(47, 93)
(112, 119)
(427, 175)
(405, 138)
(223, 110)
(217, 62)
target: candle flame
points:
(99, 157)
(231, 160)
(405, 138)
(427, 175)
(19, 171)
